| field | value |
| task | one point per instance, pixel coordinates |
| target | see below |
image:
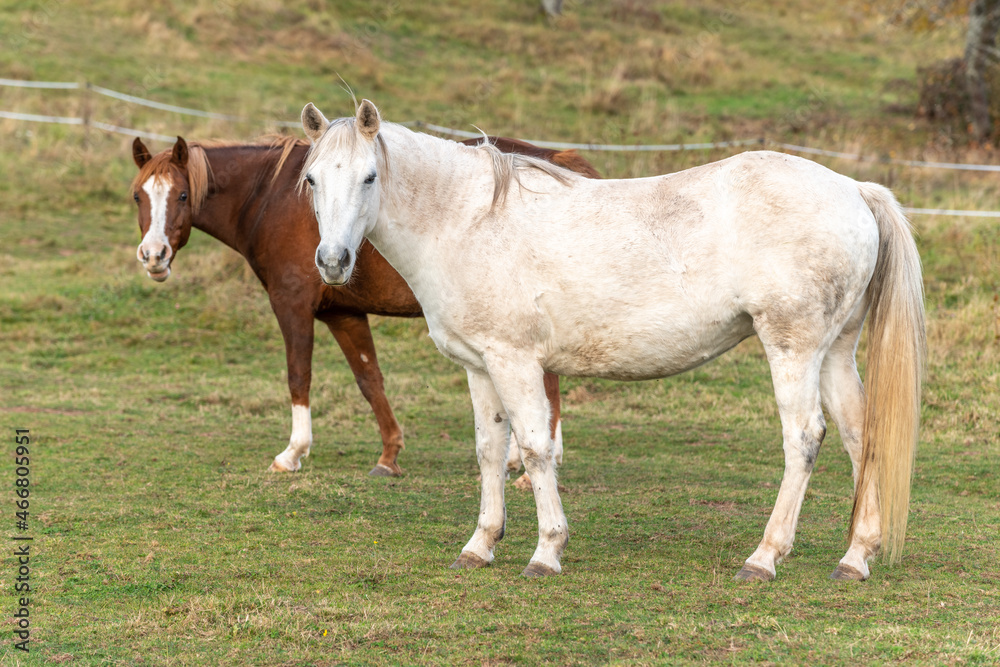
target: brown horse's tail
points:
(896, 351)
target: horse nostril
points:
(326, 262)
(163, 253)
(145, 255)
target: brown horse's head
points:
(169, 189)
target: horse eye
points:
(310, 181)
(183, 196)
(135, 196)
(370, 180)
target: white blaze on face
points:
(157, 190)
(155, 241)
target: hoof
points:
(523, 482)
(536, 569)
(468, 561)
(279, 467)
(847, 573)
(753, 573)
(381, 470)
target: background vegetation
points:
(155, 409)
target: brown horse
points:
(246, 196)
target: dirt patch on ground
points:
(45, 411)
(727, 505)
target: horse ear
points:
(180, 153)
(313, 122)
(368, 119)
(140, 153)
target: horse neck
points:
(431, 185)
(241, 176)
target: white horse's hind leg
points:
(518, 380)
(491, 444)
(844, 397)
(796, 388)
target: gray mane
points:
(507, 167)
(507, 170)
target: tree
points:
(980, 51)
(552, 7)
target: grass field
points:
(154, 410)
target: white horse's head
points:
(342, 170)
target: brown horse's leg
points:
(355, 339)
(555, 431)
(296, 324)
(552, 393)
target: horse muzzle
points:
(159, 276)
(156, 262)
(335, 264)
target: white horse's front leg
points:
(514, 453)
(492, 428)
(519, 383)
(514, 457)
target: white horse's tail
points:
(896, 351)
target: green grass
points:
(155, 409)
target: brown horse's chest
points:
(375, 288)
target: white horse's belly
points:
(653, 347)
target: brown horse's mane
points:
(199, 171)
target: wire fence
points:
(555, 145)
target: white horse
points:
(522, 267)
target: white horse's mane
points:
(507, 167)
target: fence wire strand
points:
(465, 134)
